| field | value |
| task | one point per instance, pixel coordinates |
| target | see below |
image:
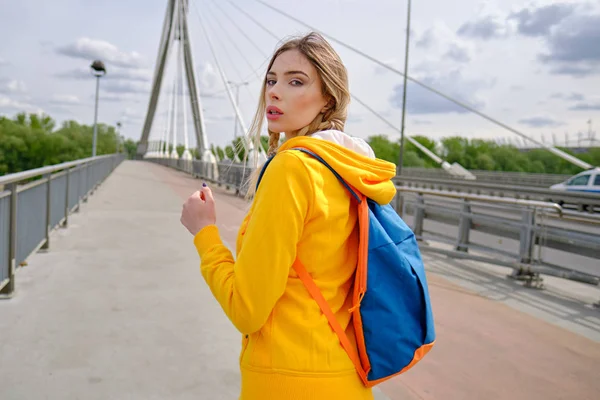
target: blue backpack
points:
(391, 309)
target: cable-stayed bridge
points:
(175, 53)
(103, 297)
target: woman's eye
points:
(296, 82)
(270, 82)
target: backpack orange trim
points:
(316, 294)
(419, 354)
(360, 359)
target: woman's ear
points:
(328, 106)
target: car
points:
(586, 181)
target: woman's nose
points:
(273, 93)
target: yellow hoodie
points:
(300, 211)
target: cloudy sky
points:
(533, 66)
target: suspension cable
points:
(560, 153)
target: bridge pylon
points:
(175, 32)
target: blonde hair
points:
(334, 83)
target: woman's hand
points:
(199, 211)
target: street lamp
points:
(401, 156)
(118, 136)
(98, 70)
(237, 101)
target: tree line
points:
(479, 154)
(30, 141)
(473, 154)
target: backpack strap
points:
(342, 181)
(320, 159)
(310, 284)
(264, 168)
(316, 294)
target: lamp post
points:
(237, 101)
(118, 137)
(401, 157)
(98, 70)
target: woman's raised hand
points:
(199, 210)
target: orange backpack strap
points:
(314, 291)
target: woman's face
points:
(293, 94)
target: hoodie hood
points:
(343, 139)
(353, 159)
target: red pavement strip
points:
(484, 349)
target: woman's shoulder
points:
(286, 168)
(289, 162)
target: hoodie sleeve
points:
(248, 288)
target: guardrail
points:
(498, 177)
(35, 202)
(582, 201)
(525, 222)
(529, 236)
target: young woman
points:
(299, 213)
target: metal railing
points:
(35, 202)
(228, 174)
(530, 236)
(524, 226)
(582, 201)
(498, 177)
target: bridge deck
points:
(117, 309)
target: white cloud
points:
(132, 116)
(574, 45)
(140, 74)
(91, 49)
(118, 97)
(8, 104)
(128, 74)
(537, 21)
(452, 83)
(121, 86)
(213, 119)
(512, 61)
(12, 86)
(65, 99)
(541, 122)
(441, 44)
(392, 62)
(488, 23)
(209, 78)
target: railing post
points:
(87, 182)
(66, 223)
(78, 207)
(8, 290)
(399, 203)
(526, 238)
(419, 217)
(46, 244)
(464, 227)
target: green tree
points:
(220, 153)
(237, 145)
(425, 142)
(264, 141)
(229, 152)
(384, 148)
(412, 159)
(130, 148)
